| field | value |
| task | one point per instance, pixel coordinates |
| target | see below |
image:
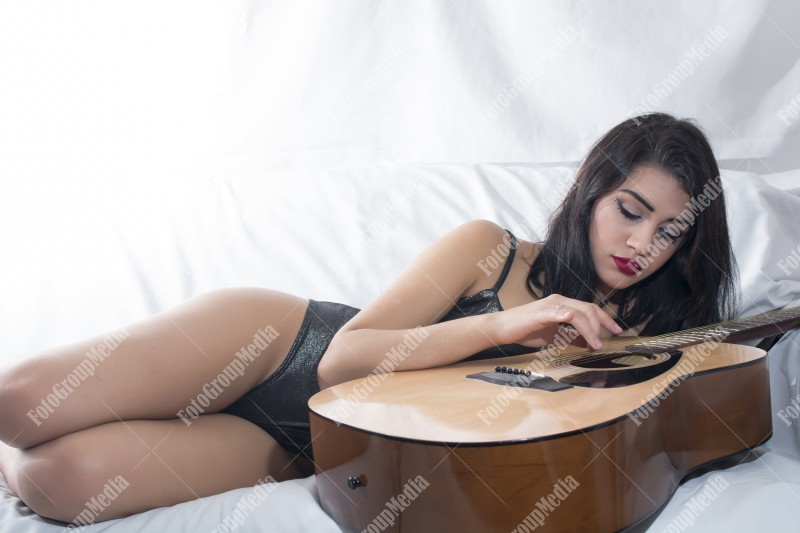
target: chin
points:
(619, 281)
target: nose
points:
(639, 239)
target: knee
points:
(59, 483)
(20, 412)
(25, 406)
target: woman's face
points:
(633, 230)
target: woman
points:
(624, 255)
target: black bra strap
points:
(507, 266)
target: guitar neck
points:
(731, 331)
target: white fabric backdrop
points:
(127, 90)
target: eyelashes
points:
(627, 214)
(664, 232)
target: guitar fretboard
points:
(732, 331)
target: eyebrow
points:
(648, 206)
(642, 200)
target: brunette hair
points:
(697, 286)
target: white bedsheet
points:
(150, 151)
(286, 506)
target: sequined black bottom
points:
(279, 405)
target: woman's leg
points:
(195, 358)
(137, 465)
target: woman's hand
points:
(537, 323)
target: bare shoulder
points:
(529, 251)
(428, 287)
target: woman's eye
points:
(669, 235)
(665, 233)
(627, 214)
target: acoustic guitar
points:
(554, 440)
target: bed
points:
(316, 149)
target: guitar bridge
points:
(514, 377)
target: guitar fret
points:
(725, 329)
(710, 333)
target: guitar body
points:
(434, 450)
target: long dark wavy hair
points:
(697, 286)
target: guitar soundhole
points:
(620, 369)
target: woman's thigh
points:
(192, 359)
(144, 464)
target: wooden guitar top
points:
(443, 405)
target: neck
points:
(603, 297)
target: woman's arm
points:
(410, 307)
(357, 353)
(399, 331)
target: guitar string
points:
(756, 321)
(782, 316)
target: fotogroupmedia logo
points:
(399, 503)
(82, 371)
(685, 368)
(547, 505)
(234, 370)
(92, 509)
(393, 357)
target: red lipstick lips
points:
(626, 265)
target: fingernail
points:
(597, 344)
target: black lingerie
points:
(279, 405)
